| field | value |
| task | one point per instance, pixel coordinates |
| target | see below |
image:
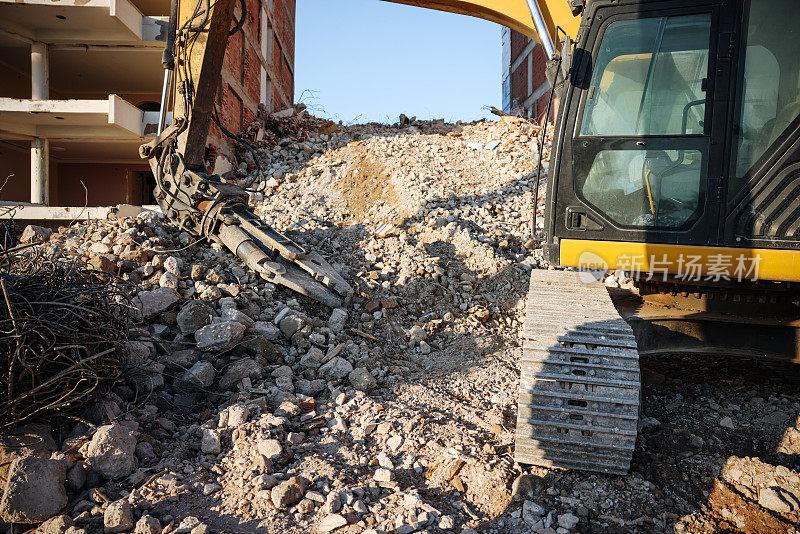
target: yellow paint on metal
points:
(714, 262)
(511, 13)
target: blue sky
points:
(367, 60)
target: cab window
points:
(649, 78)
(769, 96)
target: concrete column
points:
(40, 71)
(40, 175)
(40, 147)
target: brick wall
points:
(239, 93)
(529, 77)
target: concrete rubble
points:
(266, 412)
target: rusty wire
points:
(63, 329)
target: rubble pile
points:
(253, 409)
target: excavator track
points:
(579, 378)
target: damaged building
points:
(82, 85)
(525, 86)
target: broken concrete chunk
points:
(118, 517)
(288, 492)
(337, 368)
(35, 234)
(111, 451)
(35, 490)
(246, 367)
(193, 316)
(362, 379)
(148, 304)
(220, 336)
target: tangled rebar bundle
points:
(62, 333)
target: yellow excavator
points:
(675, 159)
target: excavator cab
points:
(678, 128)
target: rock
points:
(446, 522)
(35, 234)
(34, 491)
(220, 336)
(199, 376)
(244, 368)
(59, 524)
(331, 522)
(337, 320)
(211, 443)
(295, 438)
(288, 492)
(144, 451)
(532, 512)
(268, 331)
(265, 481)
(232, 314)
(417, 334)
(383, 475)
(237, 415)
(118, 517)
(524, 487)
(337, 368)
(99, 248)
(173, 265)
(312, 359)
(394, 443)
(362, 379)
(168, 280)
(271, 448)
(32, 439)
(147, 524)
(76, 476)
(148, 304)
(310, 388)
(111, 451)
(289, 325)
(779, 499)
(567, 521)
(359, 507)
(384, 461)
(333, 503)
(193, 316)
(726, 422)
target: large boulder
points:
(35, 490)
(111, 451)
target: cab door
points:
(642, 152)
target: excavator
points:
(675, 159)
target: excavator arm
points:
(206, 205)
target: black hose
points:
(247, 145)
(539, 164)
(240, 22)
(168, 57)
